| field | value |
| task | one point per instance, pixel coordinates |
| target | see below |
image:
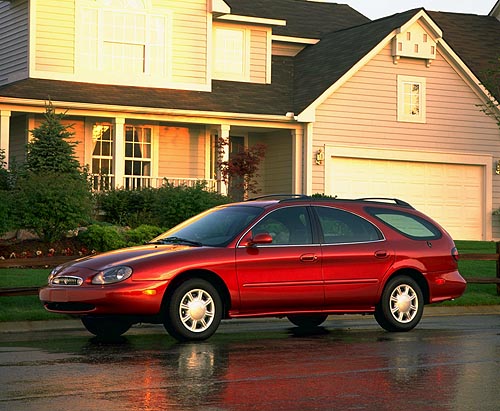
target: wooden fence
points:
(50, 262)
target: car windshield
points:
(216, 227)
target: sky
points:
(374, 9)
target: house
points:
(346, 106)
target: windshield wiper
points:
(177, 240)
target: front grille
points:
(67, 280)
(69, 307)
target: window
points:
(230, 54)
(122, 37)
(102, 157)
(137, 157)
(411, 99)
(287, 226)
(409, 225)
(340, 226)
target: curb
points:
(75, 324)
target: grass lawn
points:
(29, 308)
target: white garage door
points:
(452, 194)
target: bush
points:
(51, 204)
(5, 214)
(142, 234)
(101, 237)
(164, 207)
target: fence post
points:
(498, 266)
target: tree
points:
(52, 194)
(49, 151)
(240, 171)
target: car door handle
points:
(381, 254)
(308, 258)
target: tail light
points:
(454, 253)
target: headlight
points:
(112, 275)
(54, 272)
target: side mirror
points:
(261, 238)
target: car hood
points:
(127, 256)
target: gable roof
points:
(319, 66)
(303, 18)
(475, 39)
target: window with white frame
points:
(138, 144)
(102, 157)
(231, 54)
(411, 99)
(118, 36)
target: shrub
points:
(142, 234)
(51, 204)
(102, 237)
(164, 207)
(173, 205)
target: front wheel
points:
(106, 327)
(194, 311)
(401, 305)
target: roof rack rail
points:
(280, 197)
(396, 201)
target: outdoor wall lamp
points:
(320, 157)
(497, 170)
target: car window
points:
(341, 226)
(410, 225)
(215, 227)
(287, 226)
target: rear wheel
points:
(194, 311)
(401, 306)
(106, 327)
(307, 321)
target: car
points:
(294, 256)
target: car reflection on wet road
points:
(447, 363)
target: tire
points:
(307, 321)
(194, 311)
(106, 327)
(401, 305)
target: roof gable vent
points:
(414, 42)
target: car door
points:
(355, 257)
(284, 275)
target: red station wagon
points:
(291, 256)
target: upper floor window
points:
(230, 54)
(411, 99)
(118, 36)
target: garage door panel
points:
(452, 194)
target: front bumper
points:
(131, 298)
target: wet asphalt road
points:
(446, 363)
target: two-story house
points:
(345, 106)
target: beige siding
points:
(181, 152)
(55, 36)
(454, 123)
(189, 53)
(258, 56)
(14, 39)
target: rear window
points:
(410, 225)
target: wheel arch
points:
(415, 275)
(206, 275)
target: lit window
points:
(102, 157)
(122, 37)
(411, 99)
(137, 157)
(230, 58)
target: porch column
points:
(223, 132)
(308, 159)
(119, 151)
(4, 134)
